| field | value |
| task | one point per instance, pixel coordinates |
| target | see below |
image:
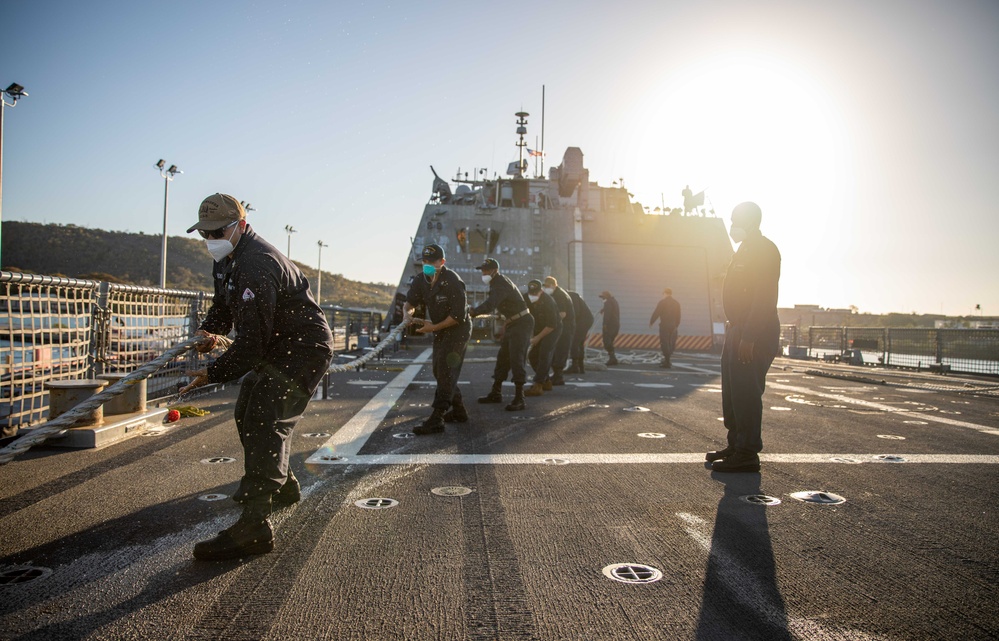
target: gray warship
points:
(590, 237)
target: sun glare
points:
(747, 128)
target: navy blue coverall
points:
(506, 300)
(749, 297)
(545, 313)
(445, 297)
(564, 344)
(584, 321)
(668, 313)
(282, 349)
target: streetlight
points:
(15, 92)
(168, 176)
(290, 230)
(319, 268)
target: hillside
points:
(133, 258)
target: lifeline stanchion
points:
(59, 425)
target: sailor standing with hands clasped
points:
(443, 293)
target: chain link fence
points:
(972, 351)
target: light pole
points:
(168, 176)
(319, 268)
(290, 230)
(15, 92)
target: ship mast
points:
(521, 131)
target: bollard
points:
(65, 395)
(129, 402)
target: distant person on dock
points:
(568, 315)
(518, 326)
(443, 293)
(547, 326)
(611, 313)
(584, 321)
(752, 339)
(667, 312)
(282, 350)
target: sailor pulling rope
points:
(58, 426)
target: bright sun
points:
(745, 127)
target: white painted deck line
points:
(923, 416)
(343, 447)
(617, 459)
(349, 439)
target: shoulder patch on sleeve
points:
(248, 295)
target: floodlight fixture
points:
(15, 91)
(168, 175)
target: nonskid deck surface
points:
(605, 470)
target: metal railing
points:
(353, 328)
(973, 351)
(63, 329)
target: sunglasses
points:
(216, 233)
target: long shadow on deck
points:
(741, 599)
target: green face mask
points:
(429, 270)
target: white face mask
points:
(548, 290)
(534, 297)
(486, 278)
(219, 249)
(738, 234)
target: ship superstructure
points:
(591, 238)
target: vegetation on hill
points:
(134, 258)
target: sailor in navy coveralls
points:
(752, 340)
(443, 293)
(282, 349)
(518, 327)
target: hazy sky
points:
(867, 131)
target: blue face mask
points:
(429, 270)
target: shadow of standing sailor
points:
(741, 599)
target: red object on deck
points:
(173, 415)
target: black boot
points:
(572, 369)
(718, 455)
(494, 395)
(251, 534)
(738, 462)
(433, 425)
(517, 404)
(557, 378)
(457, 413)
(290, 493)
(613, 359)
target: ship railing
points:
(971, 351)
(54, 329)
